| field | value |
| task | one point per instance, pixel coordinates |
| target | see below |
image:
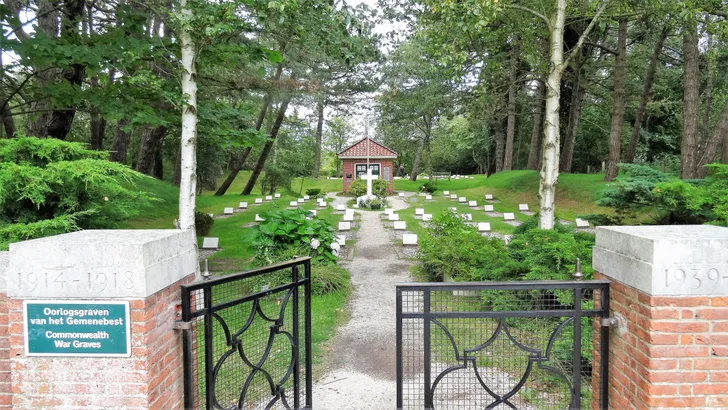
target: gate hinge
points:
(180, 325)
(610, 322)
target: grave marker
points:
(427, 217)
(453, 209)
(428, 197)
(467, 217)
(243, 205)
(313, 212)
(276, 196)
(269, 198)
(341, 240)
(400, 225)
(409, 239)
(419, 211)
(348, 217)
(454, 197)
(582, 223)
(393, 217)
(446, 193)
(344, 226)
(472, 203)
(228, 211)
(462, 200)
(300, 200)
(388, 211)
(401, 195)
(489, 196)
(258, 218)
(258, 200)
(306, 197)
(488, 208)
(523, 207)
(509, 216)
(483, 226)
(293, 204)
(341, 207)
(210, 243)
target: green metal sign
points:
(76, 328)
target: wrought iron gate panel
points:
(502, 345)
(247, 339)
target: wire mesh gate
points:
(502, 345)
(247, 339)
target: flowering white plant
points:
(315, 243)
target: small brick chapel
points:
(354, 159)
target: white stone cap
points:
(4, 261)
(99, 264)
(674, 260)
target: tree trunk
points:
(534, 150)
(577, 95)
(177, 177)
(512, 90)
(8, 122)
(500, 139)
(268, 145)
(642, 110)
(416, 163)
(720, 134)
(158, 165)
(188, 139)
(708, 91)
(98, 129)
(319, 134)
(618, 101)
(239, 158)
(150, 143)
(121, 142)
(691, 101)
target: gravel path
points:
(361, 375)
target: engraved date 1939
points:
(694, 278)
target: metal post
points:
(209, 366)
(296, 346)
(307, 325)
(187, 354)
(426, 330)
(576, 354)
(604, 353)
(400, 402)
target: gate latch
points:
(180, 325)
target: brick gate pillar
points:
(669, 288)
(83, 289)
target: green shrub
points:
(285, 229)
(632, 190)
(373, 203)
(428, 187)
(275, 178)
(313, 191)
(49, 186)
(328, 278)
(203, 223)
(359, 187)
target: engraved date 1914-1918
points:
(695, 278)
(95, 282)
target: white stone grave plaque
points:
(489, 196)
(388, 211)
(341, 207)
(210, 243)
(419, 211)
(258, 200)
(258, 218)
(228, 211)
(348, 217)
(462, 200)
(400, 225)
(276, 196)
(243, 205)
(344, 226)
(409, 239)
(509, 216)
(453, 209)
(306, 197)
(472, 203)
(393, 217)
(454, 197)
(341, 240)
(582, 223)
(483, 226)
(427, 217)
(300, 200)
(293, 204)
(313, 212)
(523, 207)
(269, 197)
(488, 208)
(212, 215)
(472, 177)
(401, 195)
(446, 193)
(467, 217)
(428, 197)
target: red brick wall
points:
(348, 169)
(674, 354)
(5, 391)
(150, 379)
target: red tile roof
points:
(359, 150)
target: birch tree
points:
(188, 139)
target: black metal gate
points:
(504, 345)
(247, 339)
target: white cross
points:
(369, 178)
